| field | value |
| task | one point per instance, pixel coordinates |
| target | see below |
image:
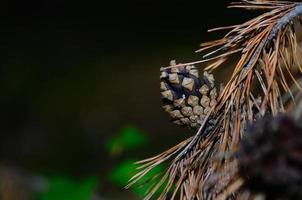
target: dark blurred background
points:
(79, 97)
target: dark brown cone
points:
(270, 158)
(186, 96)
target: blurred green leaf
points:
(127, 139)
(63, 188)
(123, 172)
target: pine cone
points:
(270, 158)
(186, 97)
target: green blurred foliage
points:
(128, 138)
(125, 170)
(64, 188)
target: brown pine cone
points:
(187, 97)
(270, 158)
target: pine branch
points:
(269, 57)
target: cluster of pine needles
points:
(216, 163)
